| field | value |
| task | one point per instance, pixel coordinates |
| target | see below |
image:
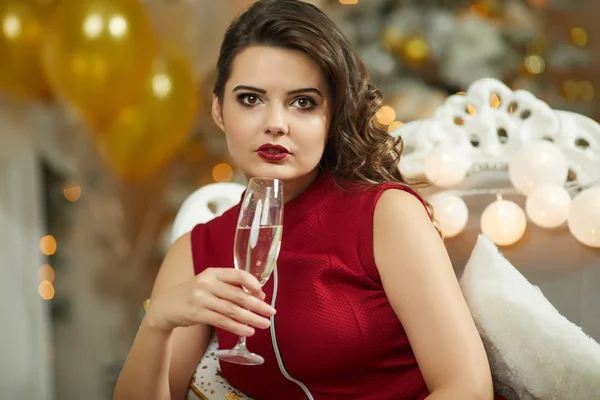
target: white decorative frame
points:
(196, 207)
(491, 123)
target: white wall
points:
(25, 365)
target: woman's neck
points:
(294, 187)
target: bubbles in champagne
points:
(257, 249)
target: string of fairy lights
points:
(539, 172)
(48, 247)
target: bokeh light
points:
(415, 49)
(535, 64)
(46, 273)
(579, 36)
(222, 173)
(46, 290)
(395, 125)
(71, 191)
(48, 245)
(587, 91)
(386, 115)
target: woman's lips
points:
(272, 156)
(273, 152)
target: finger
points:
(237, 296)
(221, 321)
(236, 313)
(239, 277)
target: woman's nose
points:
(276, 123)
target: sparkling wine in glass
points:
(256, 246)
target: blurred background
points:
(105, 129)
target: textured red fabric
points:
(336, 330)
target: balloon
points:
(144, 136)
(97, 53)
(22, 24)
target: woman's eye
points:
(249, 99)
(304, 102)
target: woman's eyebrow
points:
(250, 88)
(305, 90)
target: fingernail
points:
(249, 331)
(265, 323)
(262, 295)
(272, 311)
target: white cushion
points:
(534, 352)
(207, 382)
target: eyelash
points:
(312, 105)
(244, 96)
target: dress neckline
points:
(295, 209)
(299, 206)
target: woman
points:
(368, 305)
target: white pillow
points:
(207, 382)
(534, 352)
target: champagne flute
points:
(256, 247)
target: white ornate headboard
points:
(196, 207)
(491, 122)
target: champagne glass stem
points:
(241, 344)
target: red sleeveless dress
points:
(335, 335)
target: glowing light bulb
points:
(584, 219)
(446, 166)
(537, 163)
(504, 222)
(450, 212)
(548, 205)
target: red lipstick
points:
(273, 152)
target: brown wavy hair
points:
(358, 148)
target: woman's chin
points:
(275, 171)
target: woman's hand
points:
(213, 297)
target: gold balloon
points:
(21, 35)
(97, 53)
(144, 136)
